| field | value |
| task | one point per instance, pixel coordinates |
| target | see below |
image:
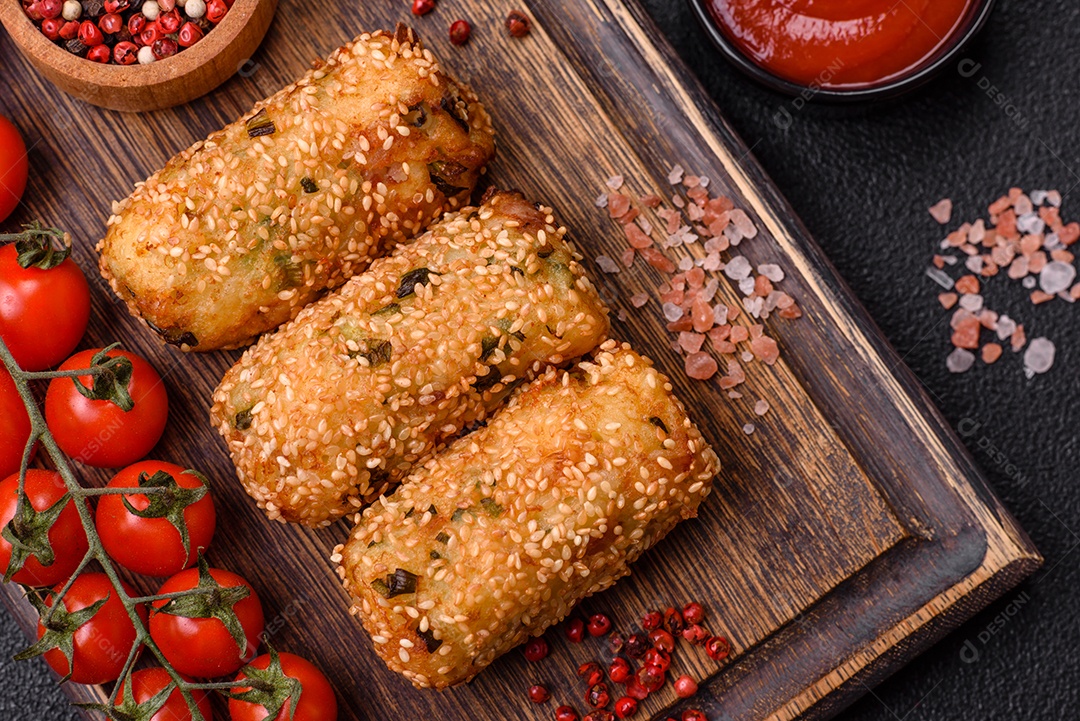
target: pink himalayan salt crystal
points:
(942, 211)
(637, 237)
(743, 224)
(701, 366)
(691, 342)
(607, 264)
(627, 257)
(639, 299)
(749, 429)
(765, 349)
(618, 205)
(676, 175)
(702, 315)
(761, 407)
(960, 360)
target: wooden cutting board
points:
(845, 535)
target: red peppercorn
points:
(164, 48)
(50, 9)
(695, 634)
(575, 630)
(673, 621)
(110, 23)
(70, 30)
(634, 689)
(625, 707)
(33, 11)
(518, 24)
(566, 713)
(51, 27)
(189, 34)
(662, 640)
(600, 714)
(599, 624)
(692, 714)
(150, 35)
(658, 658)
(117, 6)
(620, 670)
(90, 34)
(591, 673)
(169, 22)
(652, 620)
(718, 648)
(136, 23)
(536, 649)
(460, 32)
(422, 7)
(598, 695)
(539, 694)
(685, 687)
(99, 54)
(215, 10)
(637, 645)
(693, 612)
(125, 53)
(651, 677)
(615, 643)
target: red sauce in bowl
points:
(840, 44)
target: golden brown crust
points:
(497, 537)
(240, 231)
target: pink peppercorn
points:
(99, 54)
(169, 22)
(51, 27)
(189, 34)
(125, 53)
(111, 23)
(164, 48)
(50, 9)
(216, 10)
(90, 34)
(685, 687)
(460, 31)
(70, 30)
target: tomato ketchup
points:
(840, 44)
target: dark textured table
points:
(862, 181)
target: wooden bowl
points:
(190, 73)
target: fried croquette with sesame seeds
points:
(236, 234)
(337, 406)
(498, 536)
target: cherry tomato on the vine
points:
(66, 536)
(14, 425)
(99, 432)
(203, 647)
(14, 167)
(103, 643)
(317, 700)
(145, 684)
(43, 313)
(153, 546)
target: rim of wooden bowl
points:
(33, 43)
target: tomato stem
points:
(40, 433)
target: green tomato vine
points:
(27, 533)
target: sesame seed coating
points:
(497, 537)
(240, 231)
(338, 405)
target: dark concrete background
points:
(862, 182)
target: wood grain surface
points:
(844, 536)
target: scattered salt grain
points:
(974, 263)
(1029, 282)
(701, 366)
(746, 286)
(672, 312)
(676, 175)
(602, 200)
(615, 182)
(971, 302)
(1031, 224)
(940, 277)
(1038, 197)
(748, 429)
(743, 224)
(761, 407)
(1039, 356)
(1057, 276)
(686, 263)
(1006, 326)
(960, 360)
(639, 299)
(607, 264)
(720, 314)
(738, 268)
(773, 272)
(941, 211)
(1053, 197)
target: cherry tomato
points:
(103, 643)
(67, 537)
(202, 647)
(145, 684)
(27, 295)
(14, 426)
(98, 432)
(152, 546)
(14, 167)
(317, 700)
